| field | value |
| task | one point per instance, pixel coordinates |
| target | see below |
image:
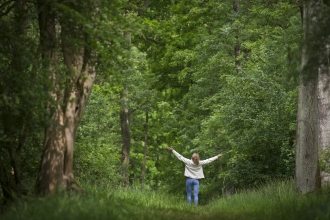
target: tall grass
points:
(276, 200)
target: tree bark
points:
(69, 101)
(307, 174)
(16, 170)
(237, 47)
(126, 137)
(126, 116)
(306, 138)
(324, 115)
(5, 185)
(145, 149)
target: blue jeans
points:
(192, 184)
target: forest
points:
(93, 92)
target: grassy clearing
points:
(273, 201)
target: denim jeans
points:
(190, 185)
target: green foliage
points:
(181, 68)
(23, 95)
(96, 157)
(246, 112)
(25, 87)
(276, 200)
(255, 129)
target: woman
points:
(193, 172)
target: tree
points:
(322, 49)
(71, 85)
(195, 48)
(73, 44)
(51, 51)
(312, 131)
(126, 114)
(97, 158)
(23, 93)
(248, 113)
(145, 150)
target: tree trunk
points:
(57, 162)
(145, 150)
(237, 47)
(307, 167)
(126, 137)
(324, 116)
(5, 185)
(68, 102)
(16, 170)
(126, 116)
(20, 16)
(306, 138)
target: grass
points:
(276, 200)
(273, 201)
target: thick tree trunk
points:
(52, 165)
(68, 104)
(50, 176)
(307, 174)
(306, 138)
(57, 162)
(324, 116)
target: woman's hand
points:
(169, 148)
(219, 155)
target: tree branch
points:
(155, 41)
(8, 10)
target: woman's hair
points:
(195, 156)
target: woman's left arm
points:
(202, 162)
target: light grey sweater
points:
(193, 170)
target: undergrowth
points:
(277, 200)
